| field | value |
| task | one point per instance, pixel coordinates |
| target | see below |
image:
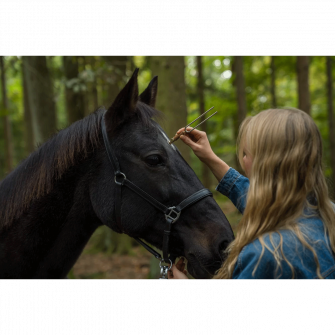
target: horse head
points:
(202, 232)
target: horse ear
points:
(148, 96)
(124, 104)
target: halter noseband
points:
(172, 214)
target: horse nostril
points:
(223, 246)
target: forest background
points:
(42, 94)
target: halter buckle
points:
(123, 179)
(173, 214)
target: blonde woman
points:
(288, 224)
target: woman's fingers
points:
(174, 273)
(170, 274)
(189, 142)
(195, 134)
(180, 265)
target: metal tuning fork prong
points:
(176, 137)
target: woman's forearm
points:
(218, 167)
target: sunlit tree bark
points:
(205, 171)
(171, 97)
(6, 120)
(75, 103)
(41, 98)
(331, 120)
(303, 84)
(273, 83)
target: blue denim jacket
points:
(235, 187)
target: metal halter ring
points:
(120, 174)
(160, 264)
(172, 211)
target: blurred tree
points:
(75, 103)
(6, 120)
(131, 66)
(331, 120)
(28, 127)
(239, 84)
(240, 89)
(41, 99)
(82, 61)
(171, 97)
(273, 83)
(205, 171)
(114, 77)
(93, 90)
(303, 84)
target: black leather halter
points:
(172, 214)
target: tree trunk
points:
(117, 70)
(131, 64)
(41, 99)
(93, 87)
(240, 89)
(28, 127)
(273, 83)
(6, 121)
(205, 171)
(74, 97)
(239, 83)
(82, 61)
(303, 84)
(331, 120)
(171, 97)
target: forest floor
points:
(138, 264)
(102, 266)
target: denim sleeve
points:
(235, 187)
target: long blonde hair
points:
(286, 150)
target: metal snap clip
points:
(120, 174)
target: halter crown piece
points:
(172, 214)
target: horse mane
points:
(37, 175)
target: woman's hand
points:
(198, 142)
(178, 271)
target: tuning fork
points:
(176, 137)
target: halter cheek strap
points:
(172, 214)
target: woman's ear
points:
(124, 104)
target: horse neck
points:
(46, 240)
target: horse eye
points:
(154, 160)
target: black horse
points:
(55, 199)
